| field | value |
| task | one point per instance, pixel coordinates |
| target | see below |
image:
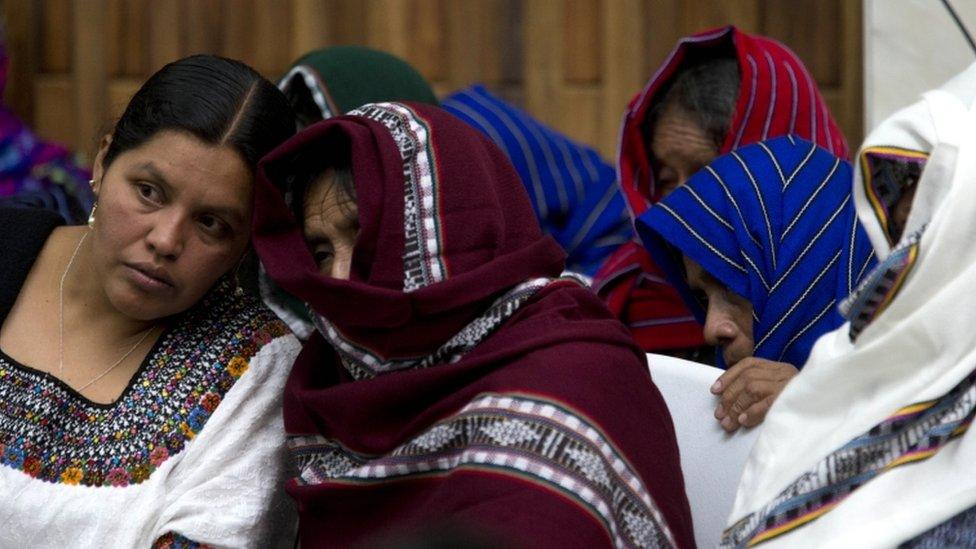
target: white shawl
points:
(916, 350)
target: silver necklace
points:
(67, 269)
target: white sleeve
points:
(228, 490)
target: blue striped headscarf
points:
(775, 223)
(573, 191)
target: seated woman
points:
(717, 91)
(330, 82)
(871, 445)
(141, 393)
(453, 378)
(762, 244)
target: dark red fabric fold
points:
(558, 386)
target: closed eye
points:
(323, 253)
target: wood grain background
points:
(573, 63)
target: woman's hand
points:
(748, 389)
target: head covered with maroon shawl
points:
(777, 96)
(453, 376)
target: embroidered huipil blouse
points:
(191, 450)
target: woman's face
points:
(728, 318)
(173, 217)
(679, 148)
(331, 225)
(899, 215)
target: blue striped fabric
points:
(573, 191)
(775, 222)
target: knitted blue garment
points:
(573, 191)
(775, 223)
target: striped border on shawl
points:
(316, 87)
(910, 435)
(877, 196)
(364, 363)
(423, 260)
(520, 435)
(876, 292)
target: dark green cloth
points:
(351, 76)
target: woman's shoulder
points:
(229, 317)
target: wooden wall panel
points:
(623, 73)
(25, 65)
(203, 24)
(126, 19)
(573, 63)
(808, 35)
(164, 37)
(90, 68)
(582, 42)
(427, 22)
(55, 113)
(705, 14)
(56, 35)
(310, 25)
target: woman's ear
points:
(98, 168)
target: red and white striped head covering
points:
(777, 96)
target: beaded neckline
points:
(50, 432)
(9, 360)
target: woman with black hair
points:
(140, 389)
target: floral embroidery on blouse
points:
(52, 433)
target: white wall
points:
(911, 46)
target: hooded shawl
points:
(35, 173)
(573, 190)
(870, 444)
(777, 96)
(775, 223)
(453, 378)
(336, 80)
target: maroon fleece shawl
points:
(453, 380)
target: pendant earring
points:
(91, 216)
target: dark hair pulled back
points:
(217, 100)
